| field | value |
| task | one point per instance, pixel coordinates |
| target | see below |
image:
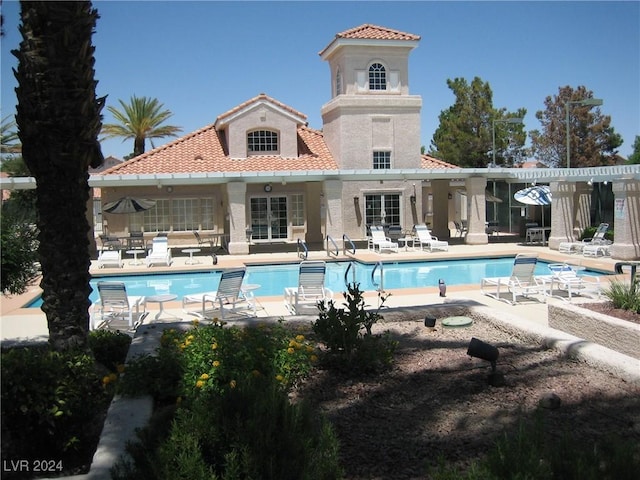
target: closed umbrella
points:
(128, 205)
(536, 195)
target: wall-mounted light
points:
(533, 184)
(606, 182)
(449, 196)
(356, 200)
(412, 199)
(590, 182)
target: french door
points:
(269, 218)
(382, 209)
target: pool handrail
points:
(353, 275)
(335, 246)
(379, 265)
(305, 251)
(345, 239)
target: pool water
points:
(274, 278)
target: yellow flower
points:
(216, 363)
(290, 350)
(309, 349)
(178, 400)
(232, 384)
(292, 343)
(313, 358)
(279, 378)
(120, 368)
(106, 379)
(199, 384)
(300, 338)
(256, 373)
(214, 346)
(113, 377)
(204, 376)
(195, 323)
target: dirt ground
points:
(436, 402)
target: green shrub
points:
(347, 333)
(624, 295)
(109, 348)
(589, 232)
(233, 418)
(51, 404)
(251, 431)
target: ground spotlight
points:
(483, 351)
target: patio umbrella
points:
(536, 195)
(128, 205)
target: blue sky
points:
(201, 59)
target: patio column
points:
(626, 218)
(562, 213)
(582, 204)
(440, 226)
(476, 211)
(237, 197)
(331, 209)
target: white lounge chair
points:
(310, 289)
(564, 278)
(380, 241)
(160, 253)
(110, 258)
(597, 239)
(115, 305)
(521, 282)
(425, 239)
(228, 298)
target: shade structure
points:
(128, 205)
(536, 195)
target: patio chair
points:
(521, 282)
(460, 229)
(110, 258)
(379, 241)
(310, 289)
(110, 242)
(115, 306)
(228, 298)
(394, 232)
(597, 239)
(160, 253)
(136, 240)
(425, 239)
(596, 250)
(565, 278)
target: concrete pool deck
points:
(18, 324)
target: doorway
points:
(269, 218)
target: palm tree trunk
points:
(58, 117)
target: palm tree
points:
(9, 136)
(142, 118)
(58, 118)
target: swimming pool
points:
(274, 278)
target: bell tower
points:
(371, 120)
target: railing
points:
(353, 274)
(305, 251)
(380, 288)
(335, 246)
(346, 239)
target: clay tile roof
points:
(431, 163)
(374, 32)
(202, 151)
(256, 99)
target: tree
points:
(142, 118)
(592, 140)
(465, 134)
(635, 156)
(58, 118)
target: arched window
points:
(260, 141)
(377, 77)
(339, 82)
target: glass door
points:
(269, 218)
(382, 209)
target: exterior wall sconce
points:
(412, 199)
(356, 200)
(449, 196)
(590, 182)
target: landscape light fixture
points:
(512, 121)
(587, 102)
(483, 351)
